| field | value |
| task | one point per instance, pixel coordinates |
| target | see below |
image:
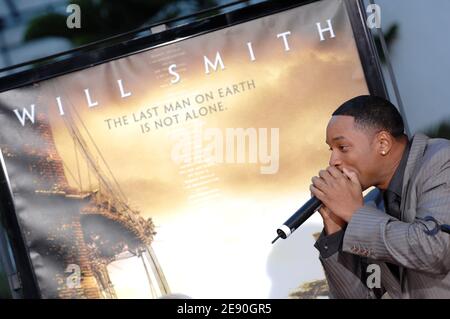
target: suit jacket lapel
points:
(416, 152)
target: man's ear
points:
(384, 141)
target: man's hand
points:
(340, 192)
(331, 222)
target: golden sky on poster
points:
(301, 118)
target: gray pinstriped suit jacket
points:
(374, 237)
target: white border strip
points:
(3, 166)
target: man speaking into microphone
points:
(393, 228)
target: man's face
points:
(353, 149)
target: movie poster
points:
(167, 172)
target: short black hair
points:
(373, 112)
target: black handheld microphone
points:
(299, 217)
